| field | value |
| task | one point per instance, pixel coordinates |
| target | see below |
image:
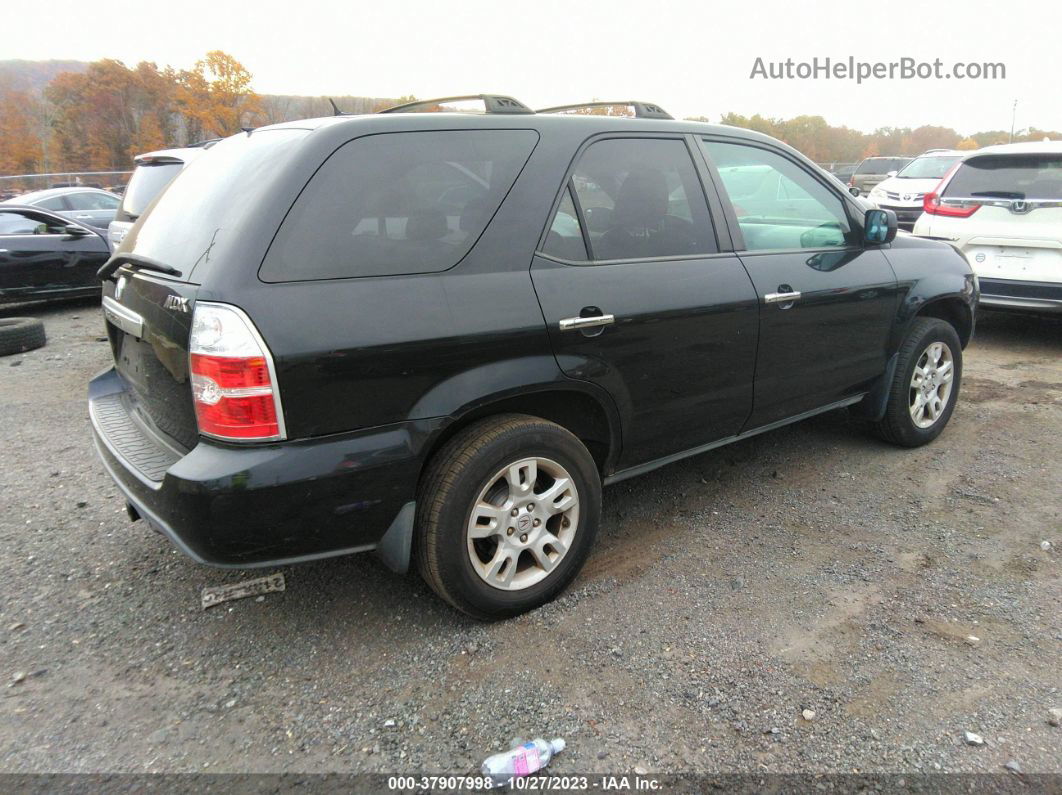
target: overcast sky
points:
(693, 58)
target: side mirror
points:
(879, 226)
(855, 191)
(891, 174)
(75, 231)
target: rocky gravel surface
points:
(809, 601)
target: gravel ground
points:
(810, 569)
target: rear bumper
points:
(245, 507)
(1021, 295)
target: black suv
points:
(436, 335)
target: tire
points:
(488, 465)
(899, 425)
(20, 334)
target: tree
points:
(215, 96)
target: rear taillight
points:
(932, 205)
(233, 381)
(931, 202)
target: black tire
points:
(451, 485)
(897, 426)
(20, 334)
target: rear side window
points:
(55, 203)
(639, 199)
(1009, 177)
(92, 201)
(397, 203)
(146, 183)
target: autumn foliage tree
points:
(99, 119)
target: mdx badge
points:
(178, 303)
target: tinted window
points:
(930, 167)
(146, 183)
(778, 204)
(197, 219)
(18, 223)
(880, 165)
(1009, 177)
(53, 203)
(565, 238)
(15, 223)
(92, 201)
(397, 203)
(642, 198)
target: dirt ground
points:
(811, 568)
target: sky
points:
(692, 58)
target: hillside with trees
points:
(60, 116)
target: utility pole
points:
(1013, 114)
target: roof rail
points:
(492, 103)
(642, 110)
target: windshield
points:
(147, 182)
(932, 167)
(880, 165)
(1037, 176)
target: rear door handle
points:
(573, 323)
(781, 298)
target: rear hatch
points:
(1015, 232)
(157, 273)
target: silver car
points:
(90, 206)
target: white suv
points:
(1002, 207)
(904, 191)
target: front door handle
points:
(574, 323)
(781, 298)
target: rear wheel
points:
(925, 385)
(507, 514)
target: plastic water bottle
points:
(522, 759)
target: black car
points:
(437, 335)
(44, 256)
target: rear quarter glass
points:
(397, 203)
(199, 216)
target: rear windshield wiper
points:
(1002, 194)
(136, 261)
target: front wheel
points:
(506, 516)
(925, 384)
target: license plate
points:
(215, 595)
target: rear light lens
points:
(233, 381)
(932, 205)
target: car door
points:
(642, 298)
(827, 302)
(38, 259)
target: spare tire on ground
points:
(18, 334)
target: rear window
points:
(199, 214)
(1009, 177)
(147, 182)
(397, 203)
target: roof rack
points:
(492, 103)
(642, 110)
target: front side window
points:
(20, 223)
(397, 203)
(778, 204)
(641, 198)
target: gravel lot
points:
(812, 568)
